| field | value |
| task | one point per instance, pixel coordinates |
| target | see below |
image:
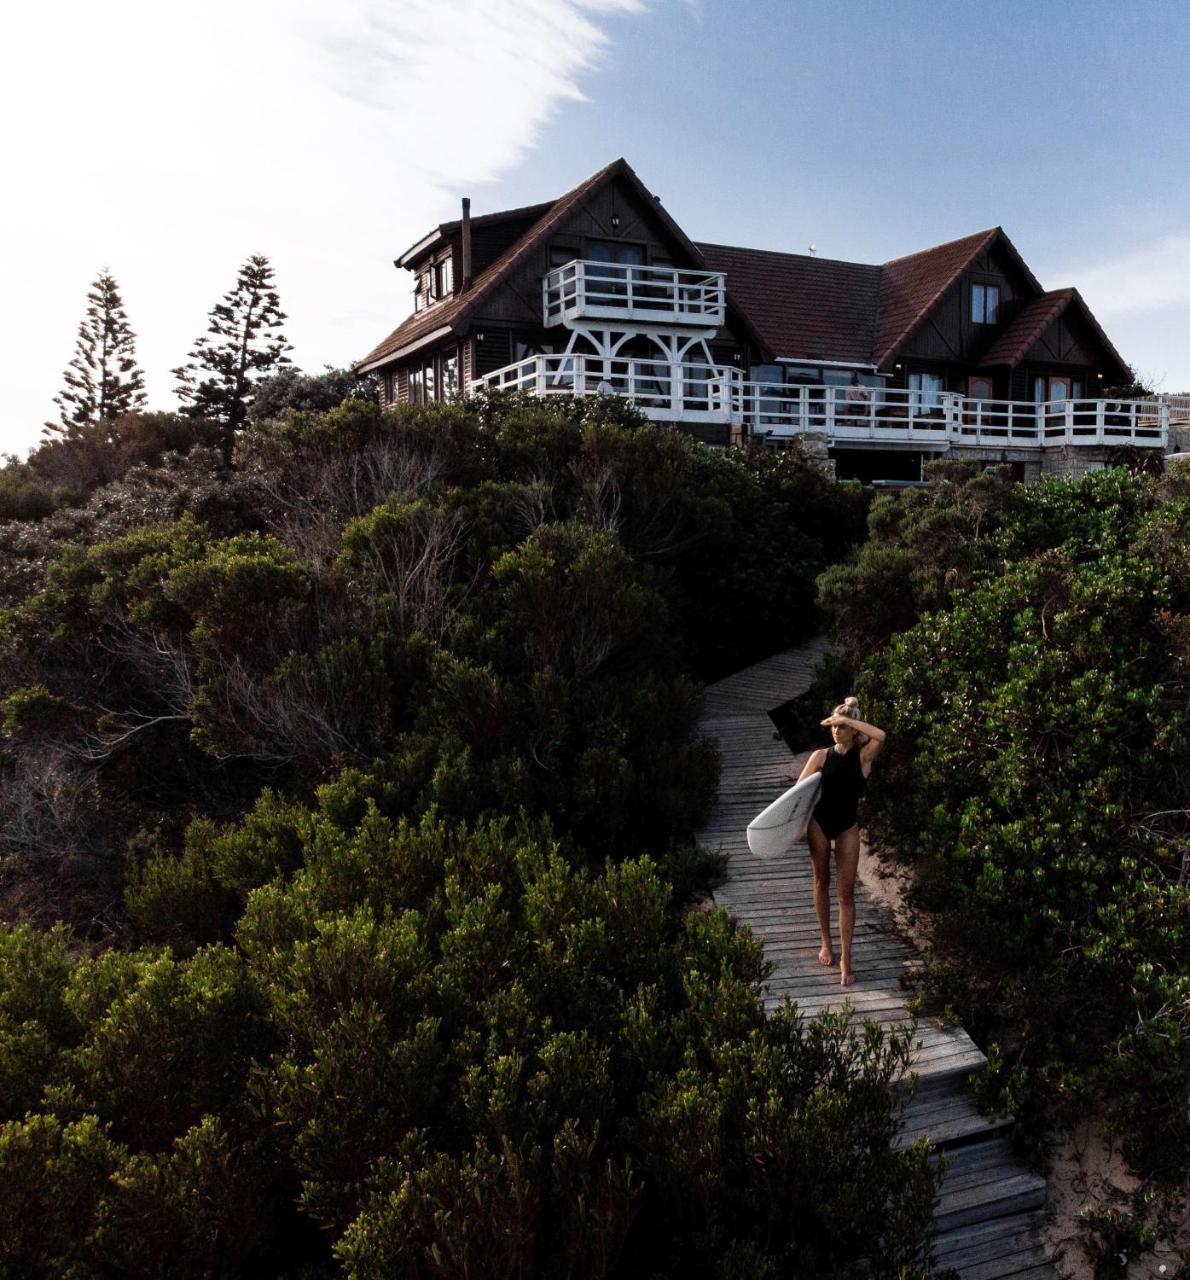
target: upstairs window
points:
(440, 279)
(985, 303)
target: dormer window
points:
(432, 284)
(985, 303)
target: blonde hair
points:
(849, 707)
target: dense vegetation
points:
(366, 760)
(1029, 650)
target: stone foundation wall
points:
(1029, 459)
(1179, 440)
(1072, 461)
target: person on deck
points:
(856, 399)
(845, 767)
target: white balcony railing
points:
(898, 416)
(874, 415)
(662, 391)
(583, 290)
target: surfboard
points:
(785, 821)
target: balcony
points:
(887, 415)
(688, 393)
(585, 291)
(864, 416)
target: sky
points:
(167, 142)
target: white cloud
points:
(1149, 279)
(170, 141)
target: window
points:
(448, 385)
(428, 381)
(417, 386)
(928, 388)
(985, 303)
(615, 251)
(441, 284)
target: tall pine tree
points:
(243, 344)
(103, 381)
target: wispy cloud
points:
(475, 80)
(1153, 278)
(172, 140)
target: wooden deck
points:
(990, 1208)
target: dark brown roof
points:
(446, 229)
(803, 306)
(455, 309)
(809, 308)
(1031, 322)
(912, 286)
(1011, 347)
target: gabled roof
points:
(803, 306)
(454, 311)
(1031, 322)
(1011, 347)
(912, 286)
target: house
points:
(955, 350)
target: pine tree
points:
(243, 344)
(103, 381)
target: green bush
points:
(1037, 725)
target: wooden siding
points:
(494, 352)
(947, 334)
(1068, 342)
(517, 302)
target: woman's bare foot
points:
(826, 957)
(846, 975)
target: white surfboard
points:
(785, 821)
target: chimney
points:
(466, 264)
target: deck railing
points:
(661, 390)
(899, 416)
(584, 290)
(673, 392)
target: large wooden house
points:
(956, 349)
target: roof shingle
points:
(802, 306)
(1031, 322)
(910, 287)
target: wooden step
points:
(943, 1111)
(985, 1182)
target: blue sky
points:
(330, 134)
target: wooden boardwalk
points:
(990, 1208)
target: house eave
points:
(422, 246)
(424, 341)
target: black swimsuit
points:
(843, 783)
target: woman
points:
(845, 768)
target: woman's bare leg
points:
(846, 865)
(820, 856)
